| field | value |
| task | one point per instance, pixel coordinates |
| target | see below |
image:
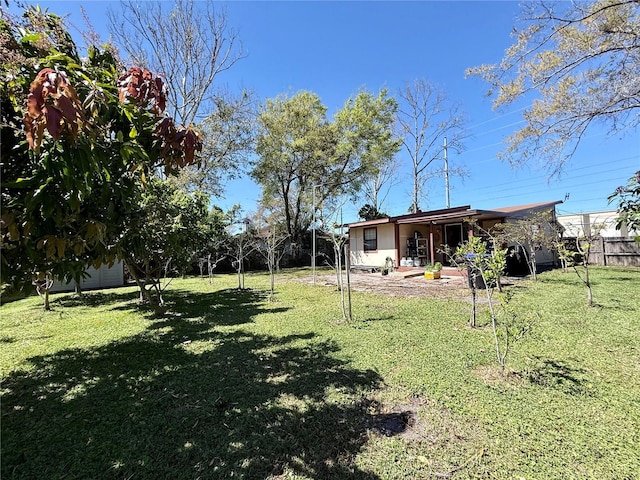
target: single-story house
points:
(419, 237)
(104, 277)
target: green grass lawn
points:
(230, 385)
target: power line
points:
(500, 128)
(530, 178)
(560, 187)
(499, 117)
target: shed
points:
(103, 277)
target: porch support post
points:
(396, 231)
(432, 249)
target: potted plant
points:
(432, 272)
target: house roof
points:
(457, 213)
(527, 207)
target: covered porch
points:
(422, 238)
(416, 240)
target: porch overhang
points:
(369, 223)
(434, 219)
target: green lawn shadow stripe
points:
(147, 407)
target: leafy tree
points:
(425, 117)
(165, 232)
(565, 254)
(581, 60)
(369, 212)
(49, 229)
(302, 154)
(628, 198)
(91, 138)
(228, 140)
(580, 259)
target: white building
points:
(103, 277)
(576, 225)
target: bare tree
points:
(582, 60)
(534, 232)
(377, 186)
(339, 241)
(585, 241)
(425, 117)
(191, 46)
(270, 241)
(241, 245)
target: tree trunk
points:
(472, 319)
(272, 275)
(534, 266)
(414, 207)
(588, 284)
(45, 299)
(347, 271)
(144, 295)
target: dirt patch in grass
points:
(438, 444)
(493, 374)
(403, 287)
(415, 419)
(395, 285)
(400, 419)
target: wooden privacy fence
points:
(615, 251)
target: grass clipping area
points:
(229, 385)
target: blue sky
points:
(336, 48)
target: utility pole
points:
(446, 173)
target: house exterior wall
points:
(575, 225)
(543, 256)
(386, 246)
(103, 277)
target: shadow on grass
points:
(189, 402)
(558, 375)
(98, 298)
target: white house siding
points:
(386, 246)
(575, 225)
(103, 277)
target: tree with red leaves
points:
(52, 103)
(80, 142)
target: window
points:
(370, 239)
